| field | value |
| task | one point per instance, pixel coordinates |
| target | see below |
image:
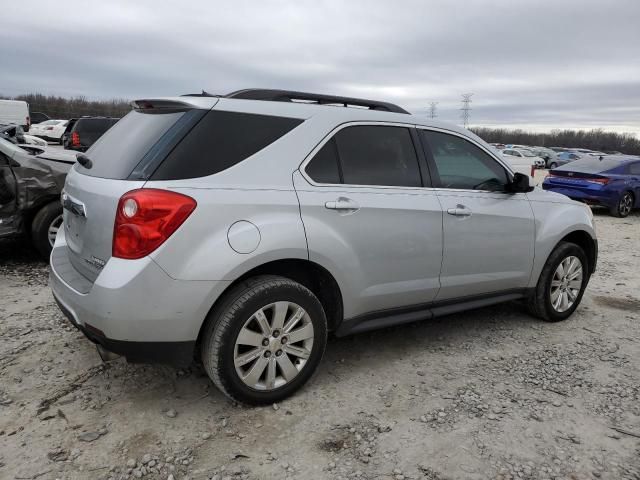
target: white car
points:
(521, 164)
(49, 130)
(523, 153)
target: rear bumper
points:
(177, 354)
(134, 308)
(591, 197)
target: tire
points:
(541, 301)
(624, 206)
(46, 221)
(238, 312)
(553, 165)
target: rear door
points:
(368, 215)
(488, 234)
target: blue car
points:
(612, 181)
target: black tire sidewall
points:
(40, 227)
(619, 205)
(563, 251)
(286, 292)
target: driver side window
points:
(462, 165)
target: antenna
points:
(466, 100)
(433, 109)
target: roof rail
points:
(291, 96)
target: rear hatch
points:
(120, 161)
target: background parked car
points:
(50, 130)
(612, 182)
(30, 187)
(521, 164)
(15, 112)
(82, 132)
(522, 152)
(566, 157)
(38, 117)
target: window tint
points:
(378, 155)
(460, 164)
(323, 168)
(119, 150)
(221, 140)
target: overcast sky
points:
(530, 64)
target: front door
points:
(488, 233)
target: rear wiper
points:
(84, 160)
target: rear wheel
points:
(45, 226)
(264, 340)
(624, 206)
(553, 165)
(561, 284)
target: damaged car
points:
(30, 186)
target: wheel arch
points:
(310, 274)
(585, 241)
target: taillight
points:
(533, 170)
(28, 122)
(49, 128)
(75, 139)
(600, 181)
(146, 218)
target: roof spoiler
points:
(160, 103)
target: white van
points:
(15, 112)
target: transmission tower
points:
(466, 100)
(433, 107)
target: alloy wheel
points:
(626, 204)
(52, 231)
(566, 284)
(273, 345)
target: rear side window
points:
(323, 168)
(221, 140)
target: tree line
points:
(78, 106)
(595, 139)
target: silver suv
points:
(243, 229)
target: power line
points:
(466, 100)
(433, 106)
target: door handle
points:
(460, 211)
(342, 203)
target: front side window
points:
(462, 165)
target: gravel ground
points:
(486, 394)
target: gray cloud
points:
(533, 64)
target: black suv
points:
(82, 132)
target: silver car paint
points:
(377, 259)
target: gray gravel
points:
(486, 394)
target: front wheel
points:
(562, 283)
(624, 205)
(264, 340)
(553, 165)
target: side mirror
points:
(520, 183)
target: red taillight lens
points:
(146, 218)
(601, 181)
(75, 139)
(533, 171)
(49, 128)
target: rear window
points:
(591, 165)
(94, 125)
(117, 153)
(219, 141)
